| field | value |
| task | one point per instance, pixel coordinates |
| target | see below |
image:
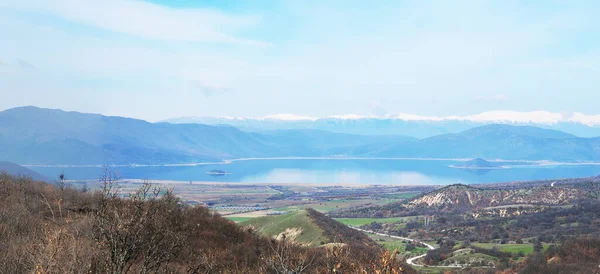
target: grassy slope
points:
(238, 219)
(274, 225)
(393, 244)
(512, 248)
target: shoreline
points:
(229, 161)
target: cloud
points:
(589, 120)
(500, 116)
(289, 117)
(146, 20)
(368, 60)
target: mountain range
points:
(17, 170)
(406, 124)
(31, 135)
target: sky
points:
(161, 59)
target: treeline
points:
(45, 229)
(337, 232)
(574, 256)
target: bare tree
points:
(136, 231)
(61, 183)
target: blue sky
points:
(160, 59)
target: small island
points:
(478, 163)
(217, 172)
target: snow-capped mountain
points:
(418, 126)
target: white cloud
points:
(590, 120)
(540, 117)
(289, 117)
(502, 116)
(146, 20)
(351, 117)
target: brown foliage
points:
(44, 229)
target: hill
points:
(17, 170)
(410, 125)
(462, 198)
(45, 136)
(296, 226)
(308, 227)
(31, 135)
(477, 163)
(499, 141)
(49, 230)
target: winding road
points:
(410, 261)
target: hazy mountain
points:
(418, 127)
(477, 163)
(498, 141)
(34, 135)
(45, 136)
(17, 170)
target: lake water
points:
(353, 171)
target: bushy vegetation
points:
(44, 229)
(574, 256)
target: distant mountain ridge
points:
(31, 135)
(17, 170)
(500, 142)
(407, 124)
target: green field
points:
(326, 206)
(364, 221)
(395, 244)
(271, 226)
(406, 195)
(512, 248)
(238, 219)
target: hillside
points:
(49, 230)
(296, 226)
(30, 135)
(308, 227)
(17, 170)
(466, 197)
(477, 163)
(463, 198)
(499, 141)
(383, 125)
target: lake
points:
(334, 171)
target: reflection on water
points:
(400, 172)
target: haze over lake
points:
(332, 172)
